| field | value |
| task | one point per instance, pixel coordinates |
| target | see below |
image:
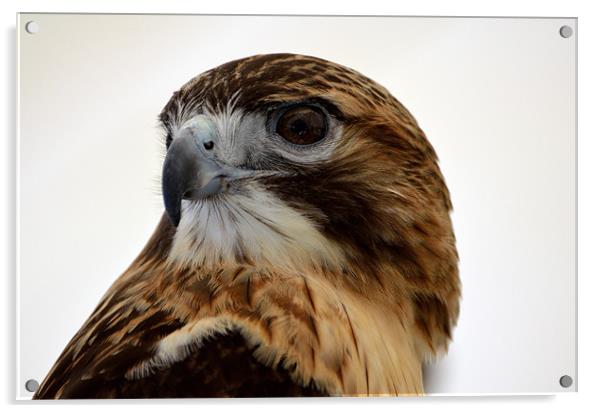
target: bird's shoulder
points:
(131, 349)
(224, 366)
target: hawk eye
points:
(302, 125)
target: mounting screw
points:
(32, 27)
(31, 385)
(566, 31)
(566, 381)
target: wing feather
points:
(224, 366)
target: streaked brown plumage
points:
(347, 284)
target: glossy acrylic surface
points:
(496, 98)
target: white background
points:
(589, 199)
(496, 97)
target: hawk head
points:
(294, 162)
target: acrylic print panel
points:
(494, 96)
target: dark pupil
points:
(299, 127)
(302, 125)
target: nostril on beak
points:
(208, 145)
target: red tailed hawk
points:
(306, 247)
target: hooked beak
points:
(189, 172)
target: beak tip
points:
(173, 211)
(174, 218)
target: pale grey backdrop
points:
(496, 97)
